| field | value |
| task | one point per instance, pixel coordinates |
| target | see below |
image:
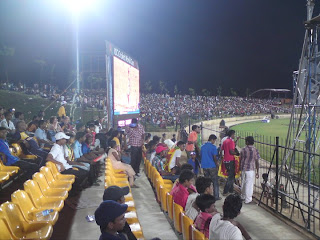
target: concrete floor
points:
(72, 223)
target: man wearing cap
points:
(117, 194)
(29, 168)
(57, 156)
(62, 110)
(135, 132)
(110, 217)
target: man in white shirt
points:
(177, 155)
(7, 123)
(226, 227)
(57, 156)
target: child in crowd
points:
(181, 193)
(205, 202)
(193, 161)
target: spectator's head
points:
(8, 116)
(196, 128)
(61, 138)
(232, 206)
(147, 137)
(162, 151)
(231, 133)
(89, 138)
(204, 185)
(151, 145)
(81, 136)
(91, 127)
(134, 120)
(19, 115)
(21, 126)
(35, 118)
(3, 133)
(193, 155)
(186, 178)
(71, 139)
(212, 138)
(186, 166)
(80, 127)
(53, 120)
(206, 203)
(249, 140)
(2, 110)
(42, 124)
(265, 177)
(110, 216)
(115, 193)
(164, 135)
(156, 139)
(113, 144)
(65, 119)
(174, 135)
(181, 145)
(115, 133)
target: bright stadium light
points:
(76, 6)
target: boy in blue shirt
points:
(193, 161)
(210, 164)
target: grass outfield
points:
(276, 128)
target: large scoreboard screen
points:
(125, 88)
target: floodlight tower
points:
(299, 171)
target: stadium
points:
(137, 120)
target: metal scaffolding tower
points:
(299, 171)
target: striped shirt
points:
(248, 157)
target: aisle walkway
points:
(154, 222)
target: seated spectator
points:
(91, 131)
(204, 186)
(117, 194)
(180, 195)
(33, 125)
(27, 167)
(193, 161)
(110, 217)
(89, 149)
(115, 135)
(151, 150)
(18, 116)
(226, 227)
(164, 137)
(41, 135)
(7, 123)
(54, 127)
(57, 156)
(117, 164)
(174, 156)
(28, 144)
(205, 202)
(65, 124)
(185, 166)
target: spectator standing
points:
(135, 132)
(249, 162)
(210, 164)
(62, 110)
(228, 147)
(192, 144)
(173, 139)
(193, 161)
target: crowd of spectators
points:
(165, 110)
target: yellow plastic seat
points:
(177, 210)
(4, 177)
(109, 165)
(163, 198)
(117, 175)
(20, 228)
(29, 211)
(20, 153)
(5, 230)
(39, 200)
(48, 174)
(48, 191)
(110, 181)
(196, 234)
(57, 175)
(138, 235)
(12, 170)
(158, 183)
(186, 224)
(170, 205)
(55, 183)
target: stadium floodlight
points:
(76, 6)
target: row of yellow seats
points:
(16, 150)
(6, 172)
(22, 218)
(116, 177)
(182, 223)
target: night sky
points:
(199, 44)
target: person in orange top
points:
(192, 144)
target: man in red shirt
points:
(228, 147)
